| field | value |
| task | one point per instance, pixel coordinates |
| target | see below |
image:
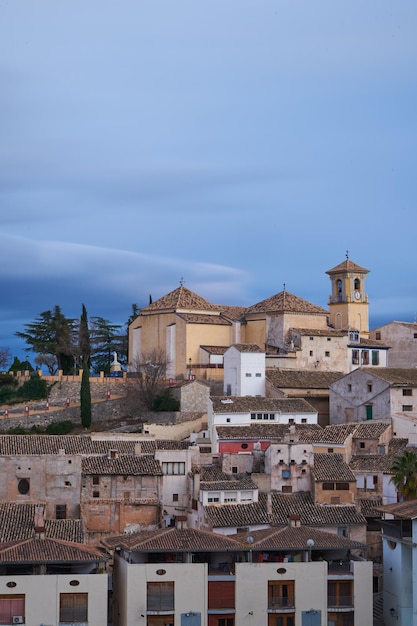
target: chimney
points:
(39, 523)
(295, 521)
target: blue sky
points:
(240, 145)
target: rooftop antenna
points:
(347, 255)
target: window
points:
(341, 619)
(61, 511)
(230, 497)
(407, 407)
(23, 486)
(339, 593)
(375, 357)
(365, 357)
(311, 352)
(226, 621)
(244, 446)
(160, 596)
(73, 607)
(173, 468)
(355, 357)
(311, 338)
(327, 353)
(258, 375)
(253, 416)
(349, 387)
(259, 416)
(96, 494)
(330, 450)
(328, 487)
(175, 497)
(234, 469)
(96, 480)
(354, 336)
(342, 486)
(304, 420)
(378, 335)
(362, 445)
(286, 489)
(286, 619)
(213, 497)
(342, 531)
(407, 392)
(369, 387)
(11, 605)
(248, 375)
(329, 338)
(280, 594)
(368, 409)
(221, 595)
(272, 416)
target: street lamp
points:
(310, 545)
(250, 542)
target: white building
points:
(244, 370)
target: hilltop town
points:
(269, 498)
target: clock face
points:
(357, 295)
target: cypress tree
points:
(85, 353)
(85, 396)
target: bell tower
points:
(348, 302)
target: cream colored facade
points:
(308, 582)
(181, 323)
(348, 301)
(42, 596)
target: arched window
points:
(357, 284)
(339, 286)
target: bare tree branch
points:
(149, 376)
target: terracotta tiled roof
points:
(378, 462)
(268, 431)
(121, 466)
(171, 444)
(211, 477)
(226, 515)
(180, 298)
(173, 540)
(233, 313)
(397, 445)
(245, 404)
(320, 332)
(215, 349)
(371, 463)
(401, 510)
(370, 429)
(17, 523)
(11, 445)
(247, 347)
(367, 506)
(286, 302)
(201, 318)
(347, 266)
(301, 379)
(396, 376)
(284, 505)
(48, 551)
(335, 433)
(295, 538)
(332, 467)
